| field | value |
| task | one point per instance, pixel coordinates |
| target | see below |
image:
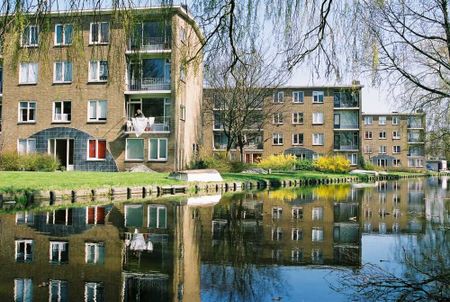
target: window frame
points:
(380, 118)
(276, 97)
(26, 242)
(28, 64)
(368, 120)
(62, 110)
(394, 149)
(314, 143)
(63, 72)
(277, 118)
(97, 75)
(59, 243)
(382, 149)
(299, 93)
(143, 150)
(19, 118)
(394, 136)
(314, 120)
(27, 148)
(29, 45)
(97, 246)
(380, 136)
(317, 94)
(97, 119)
(63, 43)
(395, 118)
(99, 33)
(278, 136)
(96, 158)
(296, 116)
(158, 222)
(298, 140)
(159, 158)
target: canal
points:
(348, 242)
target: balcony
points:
(415, 137)
(346, 120)
(151, 36)
(149, 75)
(416, 151)
(346, 141)
(415, 122)
(346, 99)
(148, 125)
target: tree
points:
(236, 99)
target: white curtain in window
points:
(93, 70)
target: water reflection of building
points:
(394, 207)
(437, 204)
(289, 227)
(84, 254)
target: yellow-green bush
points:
(332, 164)
(278, 162)
(11, 161)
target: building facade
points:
(103, 97)
(394, 139)
(304, 121)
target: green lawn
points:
(77, 180)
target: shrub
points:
(220, 162)
(304, 164)
(332, 164)
(11, 161)
(278, 162)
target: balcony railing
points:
(346, 126)
(150, 43)
(150, 124)
(149, 84)
(345, 100)
(415, 139)
(412, 123)
(341, 147)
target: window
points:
(395, 149)
(158, 149)
(353, 158)
(94, 252)
(318, 139)
(297, 213)
(134, 215)
(23, 290)
(382, 120)
(297, 139)
(24, 217)
(28, 73)
(395, 134)
(59, 252)
(277, 118)
(277, 234)
(317, 234)
(298, 97)
(277, 139)
(382, 149)
(318, 97)
(95, 215)
(63, 34)
(99, 33)
(395, 120)
(58, 291)
(368, 134)
(317, 213)
(382, 135)
(98, 71)
(26, 146)
(276, 212)
(62, 216)
(134, 149)
(316, 256)
(93, 292)
(367, 149)
(296, 234)
(97, 111)
(396, 162)
(62, 72)
(157, 217)
(297, 255)
(317, 118)
(297, 118)
(96, 149)
(30, 36)
(278, 97)
(24, 250)
(62, 111)
(27, 112)
(368, 120)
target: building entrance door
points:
(62, 149)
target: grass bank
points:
(16, 181)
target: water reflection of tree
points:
(237, 271)
(425, 273)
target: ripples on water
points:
(303, 244)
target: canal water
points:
(325, 243)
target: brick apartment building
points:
(394, 139)
(306, 122)
(99, 96)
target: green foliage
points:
(332, 164)
(11, 161)
(220, 162)
(304, 164)
(278, 162)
